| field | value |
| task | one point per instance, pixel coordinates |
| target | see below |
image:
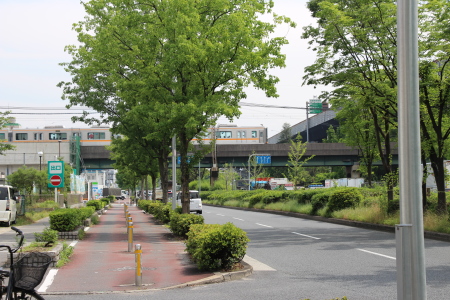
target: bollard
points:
(129, 220)
(125, 208)
(130, 236)
(138, 253)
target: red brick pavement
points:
(101, 261)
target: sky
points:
(34, 33)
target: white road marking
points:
(257, 265)
(221, 215)
(379, 254)
(48, 280)
(264, 225)
(313, 237)
(238, 219)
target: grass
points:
(372, 210)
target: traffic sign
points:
(263, 159)
(55, 180)
(55, 174)
(315, 106)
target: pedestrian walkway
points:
(101, 261)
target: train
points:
(101, 135)
(93, 136)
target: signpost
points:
(55, 176)
(315, 106)
(260, 159)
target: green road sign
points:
(315, 106)
(55, 174)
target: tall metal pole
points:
(174, 171)
(412, 261)
(307, 121)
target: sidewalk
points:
(101, 261)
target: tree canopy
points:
(184, 62)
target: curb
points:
(217, 278)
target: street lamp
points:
(40, 153)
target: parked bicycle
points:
(24, 275)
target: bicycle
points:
(24, 274)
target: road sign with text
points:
(263, 159)
(55, 174)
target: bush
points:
(95, 203)
(48, 236)
(181, 223)
(65, 219)
(216, 247)
(341, 198)
(161, 212)
(318, 201)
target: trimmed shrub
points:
(95, 203)
(318, 201)
(341, 198)
(217, 247)
(162, 212)
(181, 223)
(65, 219)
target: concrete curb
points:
(217, 278)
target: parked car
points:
(8, 205)
(195, 202)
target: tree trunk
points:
(424, 181)
(437, 163)
(153, 187)
(163, 171)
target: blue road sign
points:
(264, 160)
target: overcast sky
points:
(33, 34)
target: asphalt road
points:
(306, 259)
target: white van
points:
(195, 202)
(8, 205)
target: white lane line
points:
(313, 237)
(379, 254)
(238, 219)
(257, 265)
(48, 280)
(264, 225)
(220, 215)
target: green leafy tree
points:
(285, 134)
(4, 120)
(25, 179)
(296, 172)
(357, 53)
(229, 174)
(186, 62)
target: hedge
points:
(216, 247)
(181, 223)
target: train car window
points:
(238, 134)
(2, 136)
(224, 134)
(38, 136)
(76, 134)
(10, 137)
(21, 136)
(261, 133)
(57, 136)
(243, 134)
(96, 136)
(254, 134)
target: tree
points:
(25, 179)
(186, 62)
(296, 172)
(285, 134)
(357, 53)
(229, 174)
(4, 120)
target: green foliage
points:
(65, 219)
(64, 255)
(296, 172)
(48, 236)
(97, 204)
(216, 247)
(319, 200)
(180, 223)
(95, 219)
(25, 178)
(341, 198)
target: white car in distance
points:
(195, 202)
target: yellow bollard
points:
(138, 253)
(130, 236)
